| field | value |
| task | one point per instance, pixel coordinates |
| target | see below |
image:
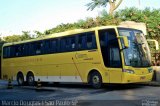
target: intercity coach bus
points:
(99, 55)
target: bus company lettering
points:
(31, 60)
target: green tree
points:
(148, 16)
(114, 4)
(17, 38)
(25, 36)
(12, 38)
(38, 34)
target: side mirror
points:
(125, 41)
(155, 42)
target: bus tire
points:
(30, 79)
(20, 79)
(95, 80)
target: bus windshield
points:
(137, 55)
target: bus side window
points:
(91, 41)
(94, 44)
(23, 50)
(38, 47)
(26, 49)
(9, 52)
(62, 44)
(82, 45)
(31, 49)
(47, 47)
(5, 51)
(54, 45)
(18, 50)
(73, 44)
(67, 44)
(70, 44)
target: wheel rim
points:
(20, 80)
(95, 80)
(30, 79)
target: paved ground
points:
(78, 94)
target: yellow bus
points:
(99, 55)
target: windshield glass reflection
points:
(137, 53)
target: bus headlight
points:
(128, 71)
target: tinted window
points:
(81, 41)
(91, 41)
(87, 41)
(110, 48)
(47, 47)
(18, 50)
(63, 44)
(5, 52)
(26, 50)
(54, 45)
(38, 47)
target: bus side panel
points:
(87, 61)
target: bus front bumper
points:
(134, 78)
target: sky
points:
(30, 15)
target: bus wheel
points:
(20, 79)
(96, 80)
(30, 79)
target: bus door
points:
(111, 54)
(114, 62)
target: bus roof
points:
(70, 32)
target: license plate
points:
(143, 77)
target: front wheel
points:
(96, 80)
(30, 79)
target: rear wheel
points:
(20, 79)
(30, 79)
(96, 80)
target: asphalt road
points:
(79, 94)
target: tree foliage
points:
(16, 38)
(13, 38)
(148, 16)
(38, 34)
(114, 4)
